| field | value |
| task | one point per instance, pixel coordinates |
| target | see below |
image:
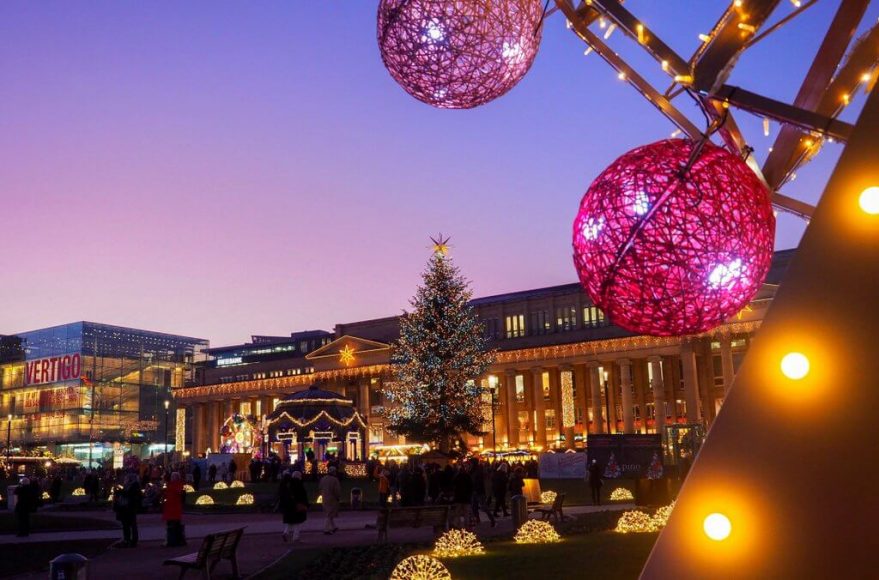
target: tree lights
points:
(455, 543)
(458, 54)
(673, 240)
(536, 532)
(420, 567)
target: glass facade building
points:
(85, 385)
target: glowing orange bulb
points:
(717, 527)
(869, 200)
(795, 365)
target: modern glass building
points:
(87, 386)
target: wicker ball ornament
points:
(458, 54)
(668, 250)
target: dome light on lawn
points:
(237, 483)
(221, 485)
(537, 532)
(455, 543)
(420, 567)
(245, 499)
(204, 500)
(547, 496)
(621, 494)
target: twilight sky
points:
(218, 169)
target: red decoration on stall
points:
(673, 239)
(458, 54)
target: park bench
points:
(435, 516)
(215, 547)
(554, 510)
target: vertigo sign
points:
(53, 369)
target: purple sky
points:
(219, 169)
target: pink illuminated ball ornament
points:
(666, 249)
(458, 54)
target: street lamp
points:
(167, 402)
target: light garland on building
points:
(221, 485)
(537, 532)
(204, 500)
(237, 483)
(78, 491)
(621, 494)
(455, 543)
(420, 567)
(245, 499)
(567, 383)
(180, 429)
(548, 496)
(322, 415)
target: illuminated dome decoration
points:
(547, 496)
(237, 483)
(420, 567)
(188, 488)
(621, 494)
(204, 500)
(536, 532)
(245, 499)
(637, 522)
(662, 514)
(455, 543)
(458, 54)
(221, 485)
(667, 255)
(78, 491)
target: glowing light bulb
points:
(869, 200)
(675, 133)
(795, 365)
(609, 31)
(865, 78)
(664, 65)
(738, 3)
(766, 126)
(717, 527)
(621, 76)
(640, 30)
(587, 52)
(796, 3)
(704, 37)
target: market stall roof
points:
(315, 408)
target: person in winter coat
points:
(463, 496)
(384, 488)
(517, 482)
(499, 481)
(595, 482)
(293, 501)
(331, 491)
(172, 511)
(126, 503)
(196, 476)
(26, 501)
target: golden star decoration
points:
(744, 311)
(346, 355)
(440, 245)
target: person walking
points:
(25, 503)
(212, 474)
(196, 476)
(384, 488)
(172, 512)
(595, 482)
(462, 497)
(294, 505)
(126, 503)
(500, 479)
(479, 500)
(331, 493)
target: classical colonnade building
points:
(561, 371)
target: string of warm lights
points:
(547, 497)
(621, 494)
(456, 543)
(420, 567)
(536, 532)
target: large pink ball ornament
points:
(458, 54)
(667, 251)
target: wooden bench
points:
(553, 511)
(435, 516)
(215, 547)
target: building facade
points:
(86, 389)
(561, 371)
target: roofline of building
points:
(105, 325)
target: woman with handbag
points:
(293, 501)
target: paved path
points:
(260, 546)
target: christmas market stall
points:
(320, 422)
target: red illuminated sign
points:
(53, 369)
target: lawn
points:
(46, 522)
(605, 555)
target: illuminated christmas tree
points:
(438, 359)
(612, 470)
(654, 471)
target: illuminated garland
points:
(237, 483)
(547, 497)
(455, 543)
(221, 485)
(420, 567)
(180, 429)
(537, 532)
(245, 499)
(567, 381)
(322, 415)
(204, 500)
(621, 494)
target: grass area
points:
(291, 565)
(604, 555)
(35, 557)
(47, 522)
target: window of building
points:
(578, 415)
(717, 367)
(565, 318)
(523, 420)
(257, 376)
(376, 434)
(651, 411)
(550, 419)
(515, 325)
(244, 408)
(520, 388)
(492, 328)
(593, 316)
(681, 408)
(636, 411)
(540, 322)
(544, 382)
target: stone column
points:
(512, 414)
(691, 383)
(626, 390)
(595, 388)
(566, 393)
(581, 380)
(539, 406)
(658, 387)
(726, 362)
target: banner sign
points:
(563, 466)
(629, 456)
(48, 400)
(53, 369)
